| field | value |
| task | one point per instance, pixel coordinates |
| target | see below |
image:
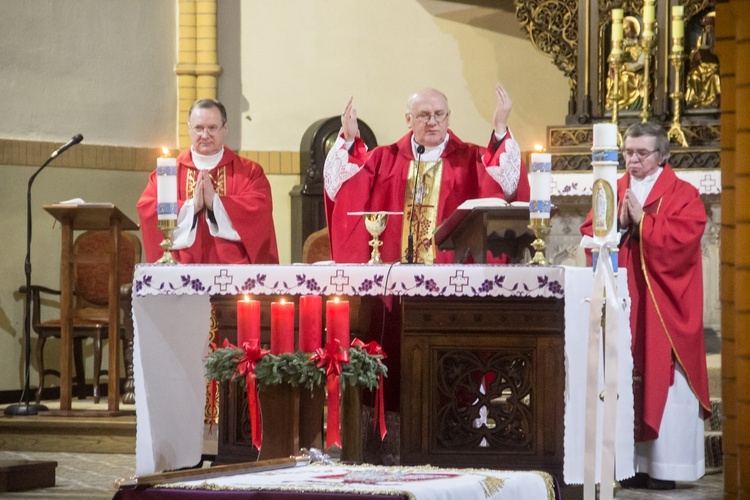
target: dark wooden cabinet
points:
(486, 380)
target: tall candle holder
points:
(167, 227)
(647, 43)
(676, 58)
(541, 228)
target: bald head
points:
(427, 115)
(421, 95)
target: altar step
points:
(77, 434)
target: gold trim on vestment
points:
(426, 208)
(218, 177)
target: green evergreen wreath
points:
(363, 369)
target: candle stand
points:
(167, 227)
(541, 228)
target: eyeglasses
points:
(211, 131)
(425, 117)
(640, 154)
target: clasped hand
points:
(631, 210)
(204, 192)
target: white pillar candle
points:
(617, 31)
(605, 136)
(540, 181)
(166, 188)
(604, 161)
(678, 28)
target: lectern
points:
(86, 217)
(474, 231)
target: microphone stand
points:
(410, 238)
(25, 408)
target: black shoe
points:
(639, 481)
(660, 484)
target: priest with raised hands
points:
(429, 172)
(224, 200)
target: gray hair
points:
(654, 130)
(208, 104)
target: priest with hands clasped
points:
(224, 201)
(429, 169)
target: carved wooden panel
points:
(486, 382)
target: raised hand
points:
(349, 126)
(502, 110)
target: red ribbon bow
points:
(374, 349)
(332, 358)
(246, 368)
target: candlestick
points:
(310, 322)
(248, 321)
(282, 327)
(337, 321)
(675, 130)
(166, 203)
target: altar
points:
(171, 310)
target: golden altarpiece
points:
(656, 81)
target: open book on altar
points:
(490, 203)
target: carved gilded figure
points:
(703, 81)
(631, 74)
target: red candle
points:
(248, 321)
(282, 327)
(337, 321)
(310, 322)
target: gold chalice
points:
(375, 223)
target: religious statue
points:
(703, 81)
(631, 74)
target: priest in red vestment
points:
(224, 200)
(662, 219)
(429, 172)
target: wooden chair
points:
(317, 247)
(90, 296)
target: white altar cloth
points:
(419, 483)
(171, 313)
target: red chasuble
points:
(665, 280)
(246, 195)
(380, 185)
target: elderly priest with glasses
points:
(431, 164)
(662, 219)
(224, 200)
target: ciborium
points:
(375, 223)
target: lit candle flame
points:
(538, 148)
(165, 152)
(247, 298)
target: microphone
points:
(72, 142)
(25, 408)
(410, 238)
